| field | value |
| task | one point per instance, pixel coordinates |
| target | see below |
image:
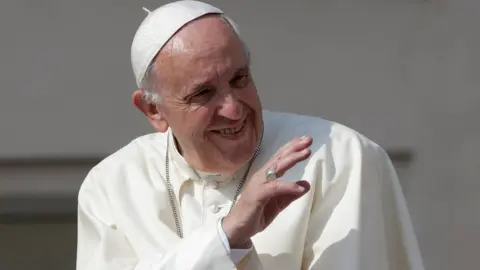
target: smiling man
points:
(223, 184)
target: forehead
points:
(205, 49)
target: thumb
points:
(304, 184)
(282, 188)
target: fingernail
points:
(304, 138)
(302, 189)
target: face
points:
(209, 98)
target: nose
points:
(230, 107)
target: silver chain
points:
(172, 196)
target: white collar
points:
(189, 173)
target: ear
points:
(154, 116)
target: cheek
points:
(251, 99)
(197, 122)
(246, 94)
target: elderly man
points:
(226, 185)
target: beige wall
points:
(405, 73)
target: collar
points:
(189, 173)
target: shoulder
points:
(139, 150)
(329, 137)
(131, 159)
(339, 153)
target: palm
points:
(273, 207)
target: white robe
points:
(353, 218)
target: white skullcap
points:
(158, 27)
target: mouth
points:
(232, 130)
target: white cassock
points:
(353, 218)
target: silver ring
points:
(270, 174)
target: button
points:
(214, 208)
(213, 184)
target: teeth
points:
(229, 130)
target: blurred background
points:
(403, 72)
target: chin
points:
(238, 148)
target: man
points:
(225, 185)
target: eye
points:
(203, 92)
(240, 81)
(202, 95)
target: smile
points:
(233, 130)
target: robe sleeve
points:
(359, 218)
(101, 245)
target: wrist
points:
(235, 239)
(243, 245)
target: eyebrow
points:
(242, 70)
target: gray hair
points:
(148, 82)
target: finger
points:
(295, 145)
(287, 162)
(283, 188)
(282, 202)
(304, 184)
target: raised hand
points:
(263, 199)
